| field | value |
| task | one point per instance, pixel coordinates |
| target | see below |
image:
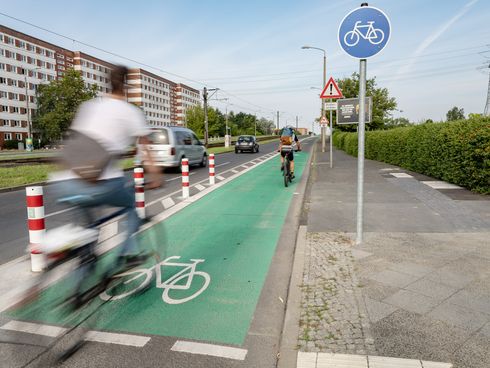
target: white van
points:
(171, 144)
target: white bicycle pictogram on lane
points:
(142, 278)
(374, 35)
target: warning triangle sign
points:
(323, 120)
(331, 90)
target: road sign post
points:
(331, 91)
(363, 33)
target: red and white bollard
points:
(37, 228)
(185, 178)
(139, 188)
(211, 169)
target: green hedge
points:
(457, 152)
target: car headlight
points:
(250, 144)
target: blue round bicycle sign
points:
(364, 32)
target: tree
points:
(383, 104)
(195, 121)
(455, 114)
(57, 103)
(396, 123)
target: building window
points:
(3, 94)
(5, 122)
(7, 136)
(18, 136)
(4, 108)
(15, 110)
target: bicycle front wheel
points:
(127, 283)
(176, 300)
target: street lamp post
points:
(323, 86)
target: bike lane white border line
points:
(209, 349)
(94, 336)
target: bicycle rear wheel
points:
(286, 172)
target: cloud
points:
(432, 38)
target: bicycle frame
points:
(369, 26)
(186, 267)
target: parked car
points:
(171, 144)
(246, 143)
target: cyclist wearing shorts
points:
(285, 147)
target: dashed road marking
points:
(436, 184)
(117, 338)
(209, 349)
(401, 175)
(199, 187)
(234, 171)
(219, 177)
(33, 328)
(167, 202)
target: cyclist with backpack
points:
(285, 147)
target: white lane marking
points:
(436, 184)
(245, 166)
(199, 187)
(179, 177)
(59, 212)
(219, 177)
(401, 175)
(33, 328)
(117, 338)
(108, 231)
(167, 202)
(234, 171)
(223, 164)
(209, 349)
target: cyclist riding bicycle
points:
(114, 124)
(285, 147)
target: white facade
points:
(93, 73)
(153, 95)
(20, 62)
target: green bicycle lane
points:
(234, 230)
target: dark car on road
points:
(246, 143)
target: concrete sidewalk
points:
(417, 288)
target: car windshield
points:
(159, 137)
(245, 139)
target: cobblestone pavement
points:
(333, 316)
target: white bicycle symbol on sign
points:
(374, 35)
(142, 278)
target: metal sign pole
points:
(360, 151)
(331, 137)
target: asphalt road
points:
(14, 238)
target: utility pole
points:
(296, 122)
(278, 120)
(205, 97)
(486, 111)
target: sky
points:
(251, 50)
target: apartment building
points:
(185, 98)
(94, 71)
(154, 94)
(26, 62)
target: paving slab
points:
(411, 301)
(459, 316)
(394, 278)
(431, 288)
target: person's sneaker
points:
(282, 168)
(292, 175)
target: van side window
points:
(195, 140)
(187, 138)
(179, 136)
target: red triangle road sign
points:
(331, 90)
